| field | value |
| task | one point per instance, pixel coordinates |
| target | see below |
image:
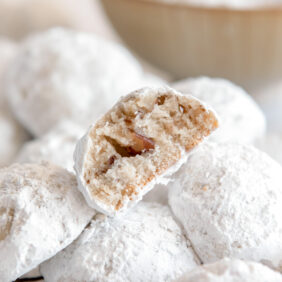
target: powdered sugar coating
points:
(68, 75)
(57, 146)
(231, 270)
(41, 212)
(271, 143)
(12, 139)
(175, 126)
(146, 244)
(229, 199)
(241, 119)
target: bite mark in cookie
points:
(145, 136)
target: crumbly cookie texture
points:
(242, 119)
(41, 212)
(231, 270)
(144, 138)
(271, 143)
(68, 75)
(229, 199)
(57, 146)
(145, 244)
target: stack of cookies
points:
(128, 177)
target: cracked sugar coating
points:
(229, 199)
(57, 146)
(41, 212)
(143, 138)
(231, 270)
(241, 118)
(68, 75)
(145, 244)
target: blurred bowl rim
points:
(275, 8)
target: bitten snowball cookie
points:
(41, 212)
(144, 138)
(229, 199)
(241, 119)
(57, 146)
(231, 270)
(68, 75)
(145, 244)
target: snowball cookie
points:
(41, 212)
(241, 119)
(145, 244)
(271, 143)
(18, 18)
(13, 136)
(143, 139)
(57, 146)
(68, 75)
(229, 199)
(231, 270)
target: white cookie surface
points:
(271, 143)
(241, 119)
(146, 244)
(41, 212)
(229, 199)
(231, 270)
(68, 75)
(19, 18)
(57, 146)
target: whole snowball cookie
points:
(231, 270)
(271, 143)
(62, 74)
(18, 18)
(57, 146)
(145, 244)
(41, 212)
(229, 199)
(241, 119)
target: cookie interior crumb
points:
(145, 134)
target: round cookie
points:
(229, 199)
(41, 212)
(145, 244)
(271, 143)
(231, 270)
(18, 18)
(138, 143)
(57, 146)
(241, 119)
(68, 75)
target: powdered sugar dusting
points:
(144, 245)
